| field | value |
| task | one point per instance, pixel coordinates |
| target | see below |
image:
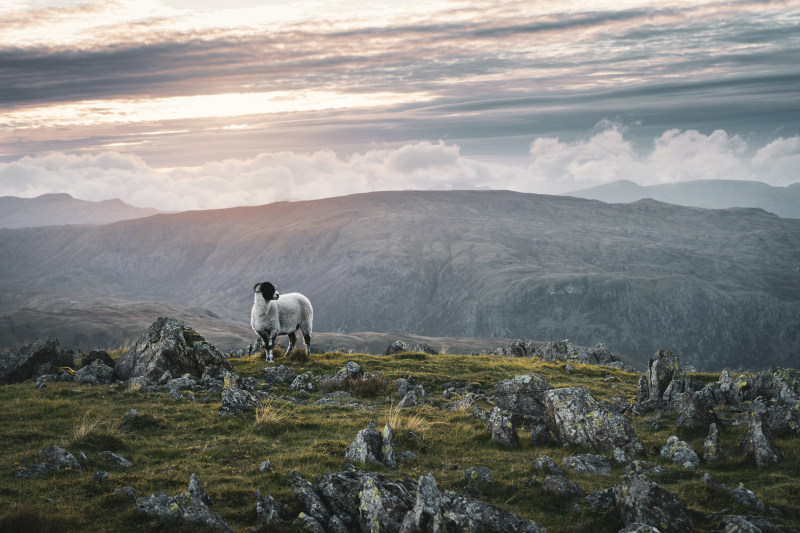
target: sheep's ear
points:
(256, 286)
(268, 291)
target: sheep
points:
(276, 314)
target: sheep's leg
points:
(270, 345)
(292, 341)
(307, 340)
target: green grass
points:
(170, 439)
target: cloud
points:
(553, 167)
(673, 157)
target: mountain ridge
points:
(715, 286)
(709, 194)
(56, 209)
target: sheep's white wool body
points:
(283, 316)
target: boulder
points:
(522, 395)
(588, 464)
(423, 347)
(236, 401)
(640, 500)
(304, 381)
(679, 452)
(427, 515)
(279, 375)
(503, 430)
(601, 499)
(562, 486)
(192, 505)
(466, 514)
(696, 410)
(351, 371)
(409, 384)
(662, 370)
(576, 417)
(115, 459)
(712, 451)
(371, 445)
(268, 509)
(170, 346)
(57, 458)
(757, 440)
(478, 475)
(749, 524)
(541, 436)
(568, 352)
(97, 355)
(409, 400)
(397, 346)
(545, 463)
(95, 373)
(44, 356)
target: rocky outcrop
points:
(357, 501)
(588, 464)
(757, 441)
(563, 351)
(192, 505)
(680, 452)
(57, 458)
(712, 450)
(95, 373)
(561, 486)
(44, 356)
(576, 417)
(397, 346)
(522, 395)
(168, 346)
(696, 410)
(640, 500)
(372, 446)
(502, 429)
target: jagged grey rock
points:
(268, 509)
(100, 477)
(279, 375)
(522, 394)
(388, 456)
(562, 487)
(427, 515)
(749, 524)
(44, 356)
(588, 464)
(576, 417)
(545, 463)
(95, 373)
(304, 381)
(366, 446)
(477, 474)
(36, 470)
(191, 505)
(712, 450)
(662, 370)
(265, 466)
(696, 410)
(640, 500)
(423, 347)
(236, 401)
(601, 499)
(309, 499)
(502, 429)
(740, 494)
(409, 400)
(397, 346)
(185, 382)
(168, 345)
(642, 390)
(115, 459)
(351, 371)
(466, 514)
(61, 457)
(409, 384)
(680, 452)
(757, 440)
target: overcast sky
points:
(195, 104)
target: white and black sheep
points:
(276, 314)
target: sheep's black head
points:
(267, 290)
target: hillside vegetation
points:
(168, 439)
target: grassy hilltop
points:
(171, 439)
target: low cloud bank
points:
(554, 167)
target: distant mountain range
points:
(718, 287)
(710, 194)
(60, 209)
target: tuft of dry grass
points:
(273, 413)
(97, 429)
(298, 355)
(400, 419)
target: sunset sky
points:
(196, 104)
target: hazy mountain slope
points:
(712, 194)
(718, 287)
(59, 209)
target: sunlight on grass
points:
(401, 420)
(97, 429)
(274, 414)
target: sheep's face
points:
(267, 290)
